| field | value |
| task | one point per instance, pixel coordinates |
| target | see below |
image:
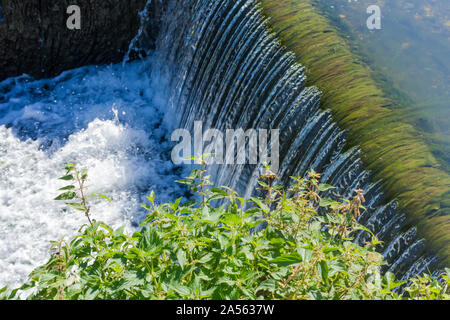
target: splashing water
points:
(143, 19)
(107, 119)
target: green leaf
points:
(151, 198)
(391, 283)
(91, 293)
(84, 174)
(325, 202)
(66, 196)
(267, 285)
(330, 249)
(180, 289)
(67, 188)
(150, 240)
(77, 206)
(261, 204)
(325, 187)
(146, 207)
(251, 212)
(70, 167)
(67, 178)
(206, 258)
(98, 195)
(315, 295)
(254, 224)
(227, 281)
(213, 216)
(219, 191)
(223, 241)
(181, 256)
(323, 269)
(131, 279)
(176, 204)
(186, 181)
(336, 266)
(287, 259)
(231, 219)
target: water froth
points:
(107, 119)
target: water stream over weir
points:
(215, 62)
(231, 72)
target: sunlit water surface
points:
(108, 119)
(412, 50)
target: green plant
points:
(77, 190)
(270, 247)
(428, 288)
(394, 148)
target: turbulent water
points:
(215, 62)
(108, 119)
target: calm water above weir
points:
(411, 52)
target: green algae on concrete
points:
(393, 149)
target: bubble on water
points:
(103, 118)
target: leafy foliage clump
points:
(276, 246)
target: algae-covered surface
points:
(367, 103)
(412, 49)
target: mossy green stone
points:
(392, 148)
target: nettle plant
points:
(76, 191)
(276, 246)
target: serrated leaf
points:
(330, 249)
(66, 196)
(231, 219)
(77, 206)
(287, 259)
(267, 285)
(67, 178)
(325, 187)
(325, 202)
(180, 289)
(260, 204)
(218, 193)
(206, 258)
(91, 293)
(150, 240)
(181, 256)
(315, 295)
(130, 279)
(227, 281)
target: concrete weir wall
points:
(34, 37)
(393, 149)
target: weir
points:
(229, 72)
(216, 62)
(363, 101)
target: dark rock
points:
(34, 37)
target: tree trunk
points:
(35, 39)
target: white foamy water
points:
(107, 119)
